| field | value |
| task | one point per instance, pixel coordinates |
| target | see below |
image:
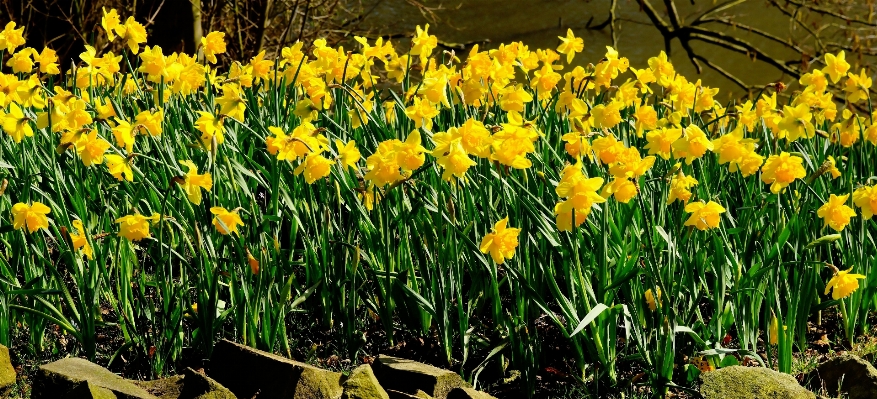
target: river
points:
(538, 23)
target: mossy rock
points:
(408, 376)
(246, 371)
(848, 374)
(200, 386)
(362, 384)
(56, 379)
(402, 395)
(468, 393)
(87, 390)
(164, 388)
(7, 372)
(422, 395)
(737, 382)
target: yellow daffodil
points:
(16, 124)
(857, 86)
(119, 167)
(692, 145)
(383, 165)
(80, 240)
(704, 215)
(314, 167)
(423, 43)
(31, 216)
(501, 242)
(796, 123)
(680, 186)
(570, 45)
(21, 61)
(110, 22)
(348, 153)
(781, 170)
(422, 112)
(232, 102)
(91, 148)
(211, 128)
(132, 33)
(454, 160)
(866, 199)
(410, 154)
(213, 44)
(836, 213)
(136, 227)
(225, 221)
(836, 66)
(580, 193)
(514, 98)
(194, 182)
(843, 283)
(11, 38)
(660, 142)
(151, 121)
(653, 300)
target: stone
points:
(200, 386)
(246, 371)
(422, 395)
(468, 393)
(362, 384)
(848, 374)
(7, 372)
(402, 395)
(87, 390)
(737, 382)
(163, 388)
(56, 379)
(408, 376)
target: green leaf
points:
(600, 308)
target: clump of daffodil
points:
(395, 159)
(501, 242)
(514, 142)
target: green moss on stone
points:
(362, 384)
(87, 390)
(738, 382)
(409, 376)
(7, 372)
(468, 393)
(56, 379)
